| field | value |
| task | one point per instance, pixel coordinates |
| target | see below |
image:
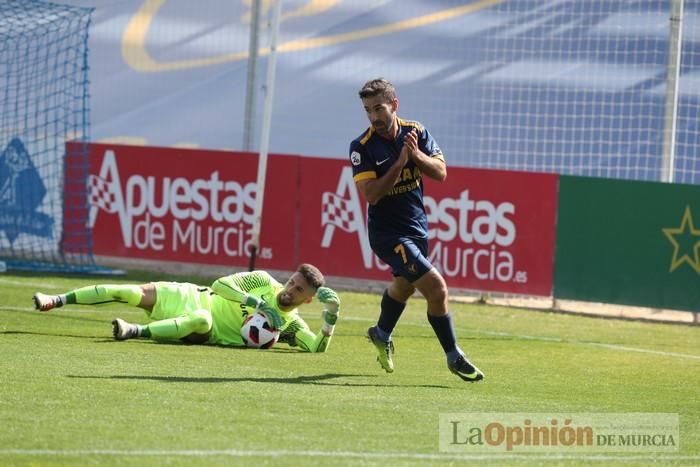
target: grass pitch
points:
(70, 395)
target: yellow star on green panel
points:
(686, 243)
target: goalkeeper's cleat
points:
(121, 330)
(465, 369)
(43, 302)
(385, 350)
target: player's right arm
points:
(298, 334)
(235, 287)
(239, 288)
(371, 187)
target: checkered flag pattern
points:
(337, 212)
(101, 194)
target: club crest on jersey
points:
(355, 158)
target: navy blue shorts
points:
(406, 256)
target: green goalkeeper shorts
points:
(174, 299)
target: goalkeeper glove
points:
(251, 301)
(331, 300)
(329, 320)
(273, 317)
(328, 297)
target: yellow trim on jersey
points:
(439, 156)
(367, 136)
(412, 123)
(364, 176)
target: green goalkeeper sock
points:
(197, 322)
(99, 294)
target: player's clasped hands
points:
(411, 141)
(410, 146)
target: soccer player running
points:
(214, 315)
(388, 161)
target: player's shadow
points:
(60, 315)
(54, 334)
(184, 342)
(319, 380)
(430, 336)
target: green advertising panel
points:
(628, 242)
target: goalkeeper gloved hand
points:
(328, 297)
(273, 317)
(251, 301)
(331, 301)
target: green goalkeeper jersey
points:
(229, 311)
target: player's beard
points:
(382, 127)
(284, 299)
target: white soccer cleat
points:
(43, 302)
(121, 330)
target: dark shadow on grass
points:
(398, 338)
(319, 380)
(184, 343)
(180, 343)
(49, 334)
(459, 337)
(63, 314)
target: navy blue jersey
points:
(400, 212)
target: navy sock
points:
(383, 335)
(389, 316)
(445, 332)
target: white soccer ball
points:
(258, 333)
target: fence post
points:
(673, 72)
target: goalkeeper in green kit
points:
(214, 315)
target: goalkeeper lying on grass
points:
(214, 315)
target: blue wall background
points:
(574, 87)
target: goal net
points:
(579, 87)
(43, 104)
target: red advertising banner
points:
(495, 230)
(489, 230)
(188, 206)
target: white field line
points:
(75, 309)
(38, 285)
(622, 348)
(557, 339)
(339, 454)
(634, 349)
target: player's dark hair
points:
(378, 87)
(312, 275)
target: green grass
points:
(72, 395)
